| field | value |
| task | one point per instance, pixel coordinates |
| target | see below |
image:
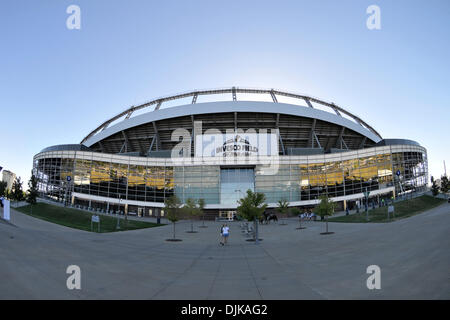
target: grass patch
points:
(79, 219)
(403, 209)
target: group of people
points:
(307, 215)
(225, 229)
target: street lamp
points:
(366, 194)
(240, 191)
(118, 223)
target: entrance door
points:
(227, 214)
(234, 183)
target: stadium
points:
(217, 144)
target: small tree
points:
(251, 207)
(434, 187)
(201, 206)
(191, 210)
(17, 191)
(172, 207)
(283, 206)
(8, 194)
(3, 188)
(32, 191)
(444, 184)
(296, 212)
(325, 208)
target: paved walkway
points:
(412, 253)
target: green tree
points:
(283, 207)
(32, 191)
(201, 206)
(3, 188)
(17, 191)
(191, 210)
(325, 208)
(8, 194)
(172, 207)
(434, 187)
(444, 184)
(296, 212)
(251, 207)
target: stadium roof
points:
(334, 114)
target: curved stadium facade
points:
(219, 149)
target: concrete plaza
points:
(413, 255)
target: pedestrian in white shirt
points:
(225, 230)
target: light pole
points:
(240, 192)
(118, 223)
(367, 204)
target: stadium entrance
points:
(234, 183)
(227, 215)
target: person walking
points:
(225, 231)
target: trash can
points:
(158, 220)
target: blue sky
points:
(56, 84)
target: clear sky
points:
(56, 84)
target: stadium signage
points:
(236, 144)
